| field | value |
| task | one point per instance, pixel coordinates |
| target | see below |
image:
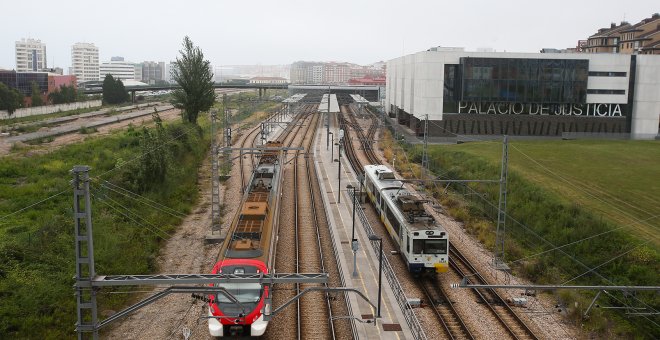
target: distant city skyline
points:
(276, 33)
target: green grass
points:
(562, 193)
(619, 180)
(36, 244)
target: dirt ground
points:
(59, 141)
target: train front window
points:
(243, 292)
(428, 246)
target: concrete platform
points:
(366, 278)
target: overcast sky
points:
(284, 31)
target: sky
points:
(284, 31)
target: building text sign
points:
(594, 110)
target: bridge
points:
(98, 88)
(371, 92)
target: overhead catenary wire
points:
(141, 199)
(550, 243)
(129, 217)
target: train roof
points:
(397, 194)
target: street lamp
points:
(380, 269)
(333, 143)
(338, 160)
(354, 241)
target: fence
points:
(42, 110)
(399, 294)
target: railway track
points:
(443, 308)
(315, 317)
(304, 244)
(451, 321)
(508, 318)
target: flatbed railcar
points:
(423, 243)
(248, 249)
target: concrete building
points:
(85, 62)
(119, 68)
(153, 72)
(169, 67)
(30, 55)
(527, 94)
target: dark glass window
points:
(596, 91)
(516, 80)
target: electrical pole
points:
(425, 152)
(501, 212)
(327, 123)
(215, 185)
(85, 294)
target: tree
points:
(113, 90)
(36, 95)
(10, 99)
(63, 95)
(194, 75)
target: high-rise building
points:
(85, 62)
(169, 67)
(152, 72)
(30, 55)
(120, 69)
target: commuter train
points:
(422, 242)
(248, 250)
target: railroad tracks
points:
(450, 320)
(443, 308)
(304, 244)
(509, 320)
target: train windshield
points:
(428, 246)
(243, 292)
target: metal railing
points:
(411, 319)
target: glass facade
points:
(22, 81)
(517, 80)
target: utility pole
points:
(226, 123)
(215, 185)
(327, 123)
(425, 152)
(85, 294)
(501, 211)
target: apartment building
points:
(153, 72)
(640, 38)
(85, 62)
(30, 55)
(304, 72)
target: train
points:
(422, 241)
(248, 249)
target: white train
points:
(422, 242)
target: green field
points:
(580, 212)
(619, 180)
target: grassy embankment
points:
(562, 192)
(36, 245)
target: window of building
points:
(598, 91)
(606, 74)
(516, 80)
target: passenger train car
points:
(422, 242)
(248, 250)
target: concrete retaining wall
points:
(40, 110)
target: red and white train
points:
(248, 250)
